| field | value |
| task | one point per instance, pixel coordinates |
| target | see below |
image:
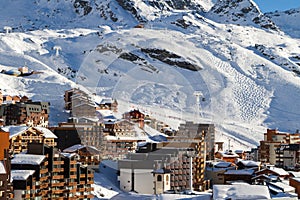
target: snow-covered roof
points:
(240, 172)
(21, 174)
(107, 101)
(240, 191)
(228, 154)
(222, 164)
(2, 168)
(77, 147)
(282, 186)
(250, 163)
(239, 151)
(279, 171)
(46, 132)
(68, 155)
(104, 113)
(295, 174)
(29, 159)
(14, 130)
(73, 148)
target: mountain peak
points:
(241, 12)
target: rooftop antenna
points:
(57, 49)
(7, 29)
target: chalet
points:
(88, 155)
(248, 164)
(135, 116)
(281, 173)
(244, 175)
(21, 136)
(214, 171)
(108, 104)
(227, 156)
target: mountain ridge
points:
(248, 74)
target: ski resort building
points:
(275, 144)
(22, 111)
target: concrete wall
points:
(125, 180)
(143, 181)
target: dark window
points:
(159, 178)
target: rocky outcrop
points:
(241, 12)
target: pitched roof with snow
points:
(2, 168)
(21, 174)
(46, 132)
(73, 148)
(14, 130)
(249, 163)
(240, 172)
(29, 159)
(276, 170)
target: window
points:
(159, 178)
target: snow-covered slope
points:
(247, 72)
(288, 21)
(241, 12)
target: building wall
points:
(125, 179)
(143, 181)
(296, 184)
(4, 143)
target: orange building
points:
(4, 143)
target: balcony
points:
(58, 177)
(58, 169)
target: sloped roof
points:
(29, 159)
(46, 132)
(222, 164)
(282, 186)
(295, 174)
(21, 174)
(240, 172)
(249, 163)
(77, 147)
(276, 170)
(14, 130)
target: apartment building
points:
(288, 156)
(273, 139)
(25, 113)
(209, 135)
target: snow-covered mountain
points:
(244, 63)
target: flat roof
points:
(240, 191)
(29, 159)
(21, 174)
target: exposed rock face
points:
(241, 12)
(157, 7)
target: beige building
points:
(272, 141)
